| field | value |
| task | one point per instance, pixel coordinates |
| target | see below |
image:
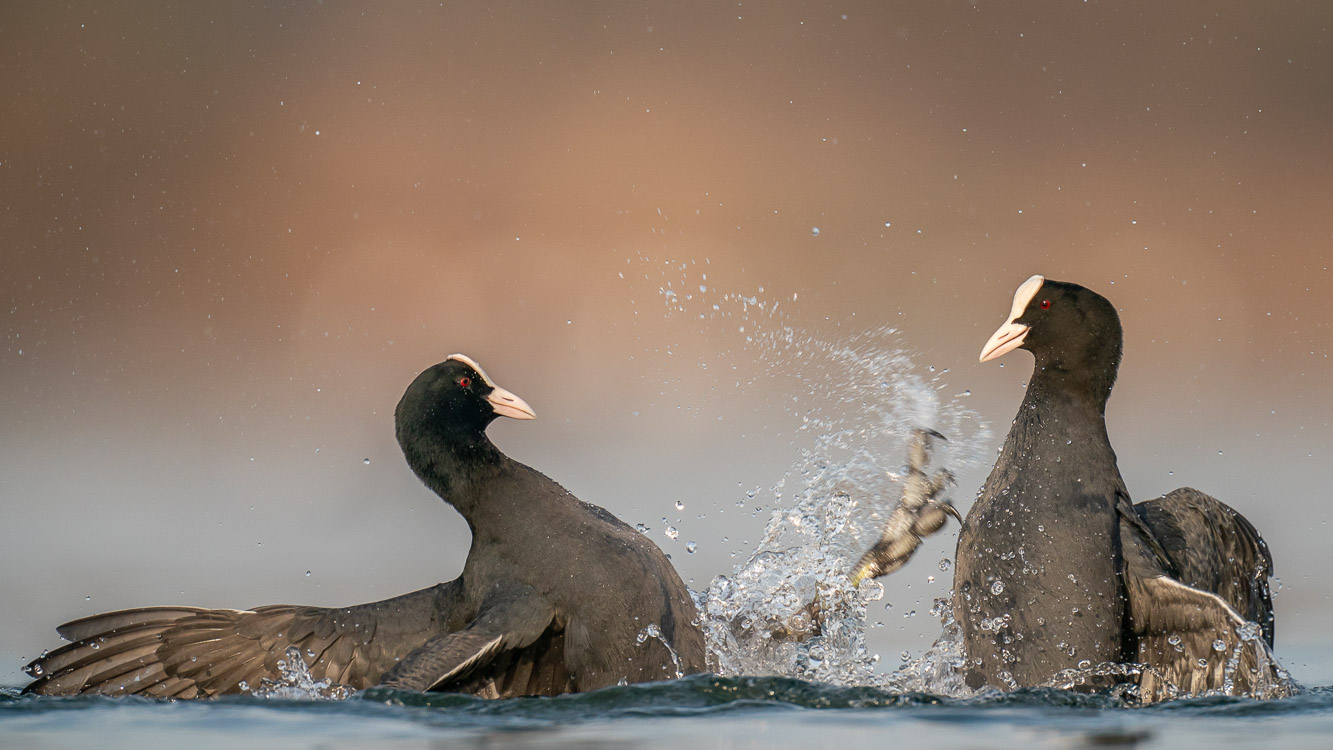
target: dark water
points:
(701, 711)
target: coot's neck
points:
(1085, 387)
(1062, 413)
(453, 469)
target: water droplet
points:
(365, 461)
(307, 574)
(814, 231)
(671, 532)
(1219, 645)
(680, 505)
(997, 587)
(945, 563)
(88, 598)
(640, 528)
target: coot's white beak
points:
(507, 404)
(1011, 335)
(1008, 338)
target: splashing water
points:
(295, 682)
(652, 631)
(939, 669)
(856, 401)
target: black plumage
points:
(1058, 570)
(556, 595)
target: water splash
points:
(652, 631)
(939, 669)
(854, 403)
(295, 682)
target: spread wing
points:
(512, 647)
(192, 652)
(1197, 586)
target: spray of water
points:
(294, 682)
(854, 402)
(864, 398)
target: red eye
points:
(1045, 304)
(465, 381)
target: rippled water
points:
(699, 711)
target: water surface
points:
(699, 711)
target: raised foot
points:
(919, 513)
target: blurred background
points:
(233, 233)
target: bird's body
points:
(1037, 585)
(556, 595)
(597, 583)
(1058, 570)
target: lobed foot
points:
(919, 512)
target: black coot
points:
(556, 596)
(1058, 570)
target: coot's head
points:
(455, 401)
(1069, 329)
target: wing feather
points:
(196, 652)
(1199, 607)
(510, 619)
